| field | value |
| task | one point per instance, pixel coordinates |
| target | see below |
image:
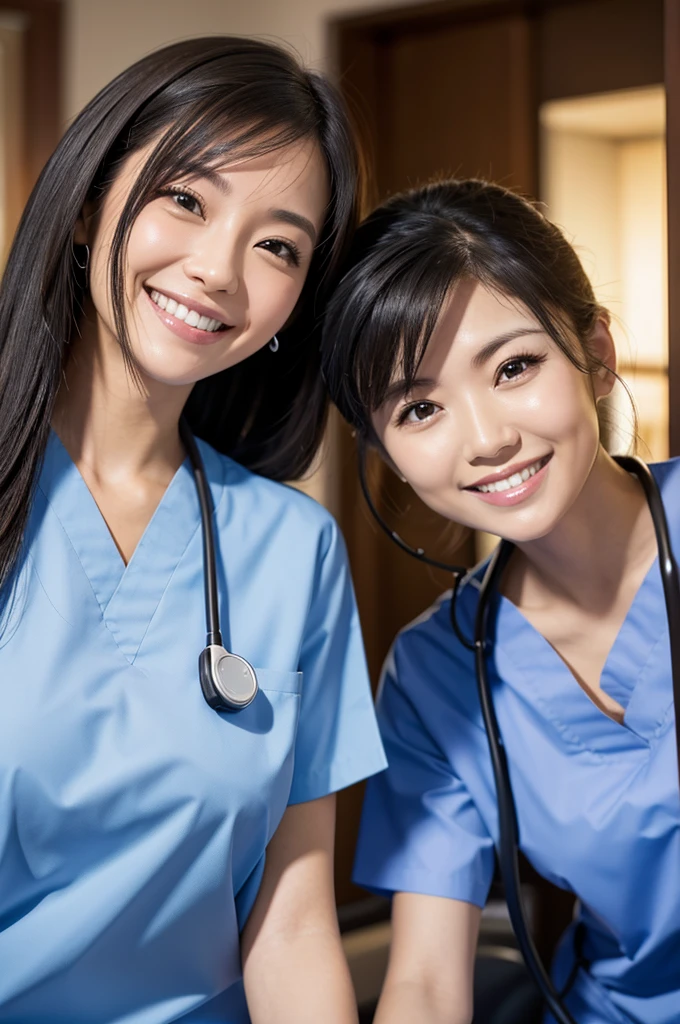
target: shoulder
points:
(427, 656)
(267, 508)
(667, 476)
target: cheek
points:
(426, 458)
(153, 245)
(562, 407)
(271, 295)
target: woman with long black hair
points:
(465, 343)
(158, 378)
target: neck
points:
(110, 422)
(605, 535)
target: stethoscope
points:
(508, 829)
(228, 682)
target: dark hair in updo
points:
(403, 262)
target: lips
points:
(512, 477)
(187, 310)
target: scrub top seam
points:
(664, 720)
(563, 728)
(161, 596)
(130, 662)
(655, 734)
(75, 552)
(197, 527)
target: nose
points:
(214, 265)
(489, 438)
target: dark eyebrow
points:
(492, 347)
(216, 179)
(401, 388)
(284, 216)
(297, 221)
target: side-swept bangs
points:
(197, 104)
(406, 258)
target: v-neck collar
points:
(128, 595)
(636, 672)
(528, 661)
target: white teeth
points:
(511, 481)
(181, 312)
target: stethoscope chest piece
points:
(228, 682)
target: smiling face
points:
(214, 266)
(500, 431)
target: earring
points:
(85, 267)
(274, 344)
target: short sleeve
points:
(420, 829)
(338, 742)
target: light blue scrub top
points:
(133, 818)
(598, 803)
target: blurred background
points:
(574, 102)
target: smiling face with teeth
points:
(500, 432)
(215, 265)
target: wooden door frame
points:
(42, 81)
(351, 39)
(672, 82)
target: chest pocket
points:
(260, 739)
(276, 706)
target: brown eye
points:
(285, 251)
(514, 368)
(517, 366)
(187, 202)
(419, 412)
(185, 198)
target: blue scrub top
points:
(133, 818)
(598, 802)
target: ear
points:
(603, 351)
(83, 229)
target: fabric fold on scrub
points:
(134, 819)
(597, 801)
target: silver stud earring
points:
(274, 344)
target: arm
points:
(294, 969)
(429, 977)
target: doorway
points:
(466, 89)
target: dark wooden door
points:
(447, 89)
(438, 96)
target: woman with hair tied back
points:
(167, 815)
(464, 342)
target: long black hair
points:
(403, 262)
(199, 100)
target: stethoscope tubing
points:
(669, 573)
(508, 827)
(212, 616)
(508, 845)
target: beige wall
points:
(104, 36)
